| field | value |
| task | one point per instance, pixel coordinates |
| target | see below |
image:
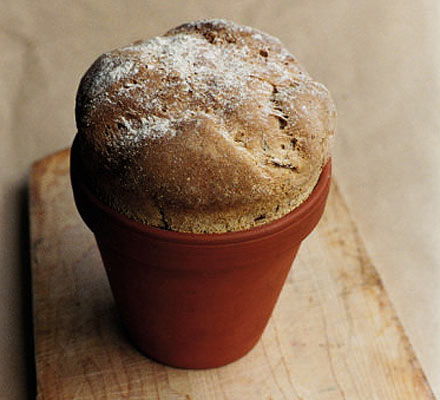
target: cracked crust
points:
(213, 127)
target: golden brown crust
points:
(212, 127)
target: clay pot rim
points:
(293, 218)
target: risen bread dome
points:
(213, 127)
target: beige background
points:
(381, 61)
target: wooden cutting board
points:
(334, 333)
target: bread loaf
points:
(213, 127)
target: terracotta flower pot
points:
(196, 300)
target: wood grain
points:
(333, 335)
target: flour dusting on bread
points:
(212, 127)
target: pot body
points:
(196, 300)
